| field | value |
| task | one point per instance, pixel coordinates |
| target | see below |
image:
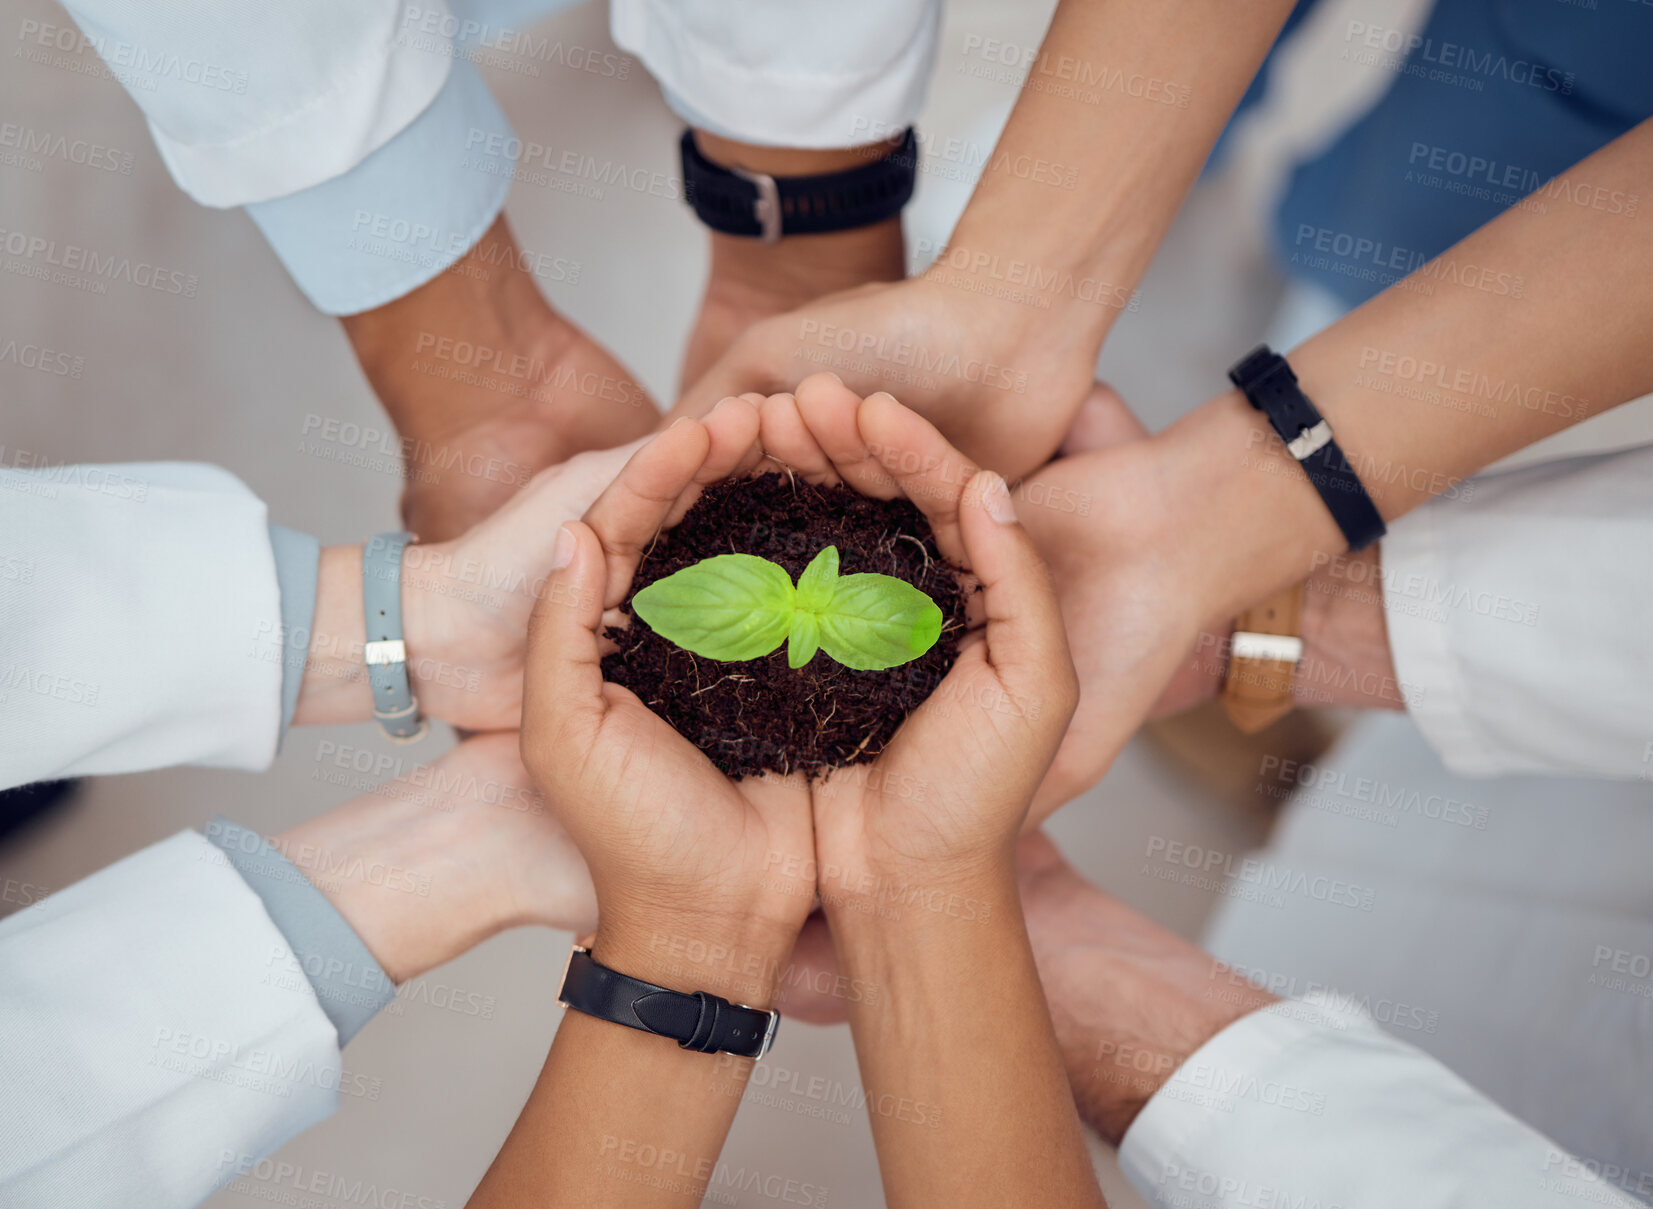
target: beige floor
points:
(229, 376)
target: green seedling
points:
(733, 607)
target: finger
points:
(1103, 420)
(923, 464)
(787, 439)
(829, 408)
(732, 429)
(1026, 643)
(562, 689)
(632, 509)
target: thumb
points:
(1103, 420)
(1026, 643)
(562, 689)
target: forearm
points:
(1492, 346)
(487, 384)
(957, 1054)
(1117, 115)
(621, 1117)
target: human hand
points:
(946, 797)
(677, 851)
(1000, 381)
(465, 608)
(487, 385)
(428, 865)
(1135, 595)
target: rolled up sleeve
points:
(406, 212)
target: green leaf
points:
(804, 640)
(878, 621)
(728, 607)
(818, 582)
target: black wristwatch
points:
(1271, 387)
(707, 1023)
(755, 204)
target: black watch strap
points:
(1271, 387)
(737, 202)
(699, 1021)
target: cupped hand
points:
(466, 602)
(949, 793)
(684, 860)
(1001, 381)
(1113, 528)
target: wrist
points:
(885, 904)
(1248, 520)
(771, 277)
(413, 347)
(740, 958)
(388, 862)
(1346, 655)
(334, 689)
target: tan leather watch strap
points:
(1262, 659)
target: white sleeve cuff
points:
(1302, 1104)
(789, 75)
(159, 1036)
(406, 212)
(1517, 618)
(143, 626)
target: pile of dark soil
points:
(761, 715)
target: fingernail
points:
(995, 497)
(676, 422)
(833, 376)
(563, 552)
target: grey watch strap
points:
(394, 705)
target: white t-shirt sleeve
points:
(1307, 1105)
(795, 74)
(140, 621)
(252, 101)
(1518, 618)
(157, 1036)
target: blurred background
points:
(239, 373)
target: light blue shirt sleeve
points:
(350, 985)
(406, 212)
(298, 574)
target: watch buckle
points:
(563, 981)
(1310, 441)
(768, 1033)
(766, 208)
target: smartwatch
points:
(1269, 385)
(759, 206)
(708, 1024)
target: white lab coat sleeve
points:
(843, 74)
(156, 1036)
(1302, 1104)
(140, 621)
(1518, 609)
(248, 102)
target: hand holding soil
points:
(675, 848)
